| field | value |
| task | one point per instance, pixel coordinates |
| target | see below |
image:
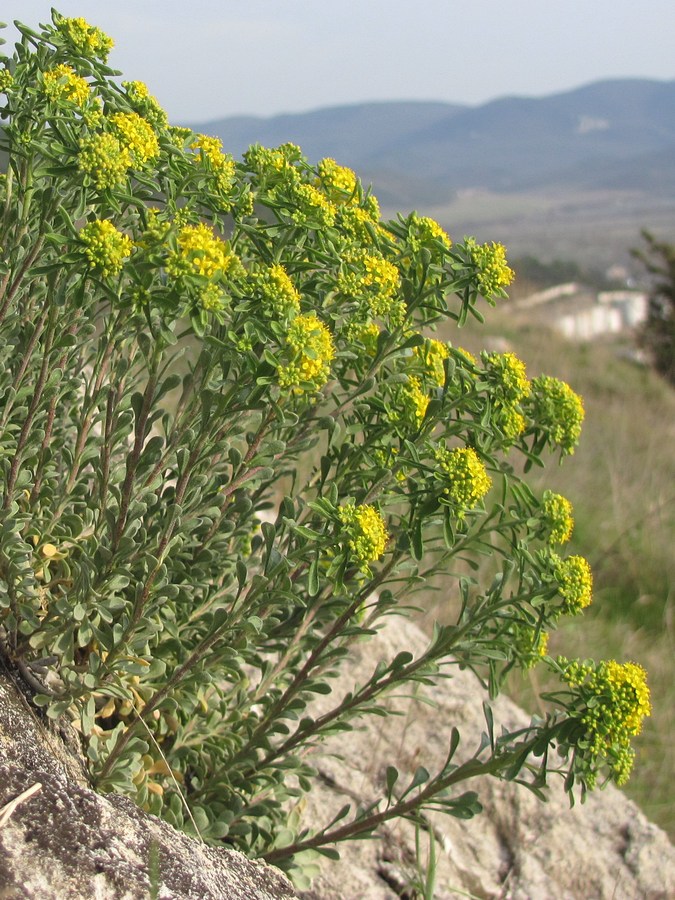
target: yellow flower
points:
(509, 420)
(87, 39)
(338, 182)
(371, 277)
(105, 247)
(274, 163)
(558, 411)
(367, 534)
(277, 291)
(136, 135)
(105, 160)
(62, 84)
(313, 207)
(612, 699)
(210, 152)
(507, 377)
(310, 347)
(141, 98)
(530, 645)
(466, 356)
(493, 273)
(432, 353)
(409, 404)
(558, 518)
(425, 232)
(6, 80)
(575, 582)
(464, 476)
(366, 333)
(200, 252)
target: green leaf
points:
(313, 578)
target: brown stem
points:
(133, 458)
(30, 415)
(404, 808)
(16, 284)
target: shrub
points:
(230, 446)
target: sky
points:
(207, 59)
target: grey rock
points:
(65, 842)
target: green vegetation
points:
(181, 337)
(622, 485)
(658, 332)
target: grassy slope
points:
(621, 482)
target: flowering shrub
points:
(230, 443)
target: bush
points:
(657, 335)
(230, 446)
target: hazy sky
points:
(205, 59)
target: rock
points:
(65, 842)
(517, 848)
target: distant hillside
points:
(574, 175)
(599, 135)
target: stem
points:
(32, 410)
(135, 455)
(404, 808)
(310, 664)
(16, 284)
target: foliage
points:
(658, 332)
(230, 445)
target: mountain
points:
(603, 134)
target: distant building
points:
(581, 314)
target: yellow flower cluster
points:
(211, 298)
(135, 135)
(410, 404)
(277, 291)
(509, 386)
(141, 98)
(373, 278)
(432, 353)
(311, 351)
(509, 420)
(366, 333)
(90, 41)
(313, 207)
(557, 517)
(6, 80)
(62, 84)
(507, 376)
(575, 582)
(338, 182)
(200, 252)
(270, 163)
(105, 247)
(104, 159)
(530, 644)
(424, 232)
(615, 699)
(210, 151)
(493, 273)
(366, 533)
(361, 224)
(464, 475)
(557, 410)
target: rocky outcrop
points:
(517, 848)
(65, 842)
